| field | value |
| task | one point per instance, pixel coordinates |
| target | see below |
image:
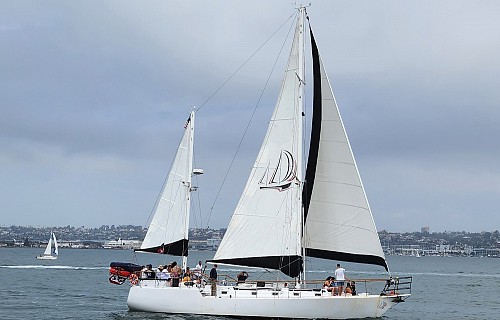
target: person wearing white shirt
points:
(198, 269)
(339, 279)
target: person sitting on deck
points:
(187, 279)
(353, 288)
(175, 274)
(348, 289)
(149, 272)
(187, 275)
(163, 274)
(328, 284)
(242, 277)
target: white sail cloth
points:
(265, 228)
(339, 222)
(168, 230)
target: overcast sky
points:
(94, 95)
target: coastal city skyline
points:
(95, 98)
(483, 244)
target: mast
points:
(301, 76)
(188, 185)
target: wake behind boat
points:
(284, 215)
(52, 250)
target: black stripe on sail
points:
(178, 248)
(289, 265)
(312, 160)
(348, 257)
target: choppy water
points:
(75, 286)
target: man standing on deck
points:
(339, 279)
(213, 279)
(198, 269)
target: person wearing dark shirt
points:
(213, 279)
(242, 277)
(150, 274)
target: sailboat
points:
(52, 250)
(283, 216)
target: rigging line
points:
(248, 124)
(243, 64)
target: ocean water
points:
(75, 286)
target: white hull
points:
(151, 296)
(46, 257)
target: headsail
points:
(265, 230)
(339, 223)
(168, 230)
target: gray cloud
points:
(94, 96)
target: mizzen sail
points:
(168, 230)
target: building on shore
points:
(122, 244)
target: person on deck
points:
(328, 284)
(196, 274)
(242, 277)
(213, 279)
(198, 269)
(340, 278)
(150, 274)
(175, 274)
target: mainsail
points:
(278, 217)
(265, 229)
(48, 249)
(168, 230)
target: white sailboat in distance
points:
(284, 215)
(52, 250)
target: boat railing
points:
(399, 286)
